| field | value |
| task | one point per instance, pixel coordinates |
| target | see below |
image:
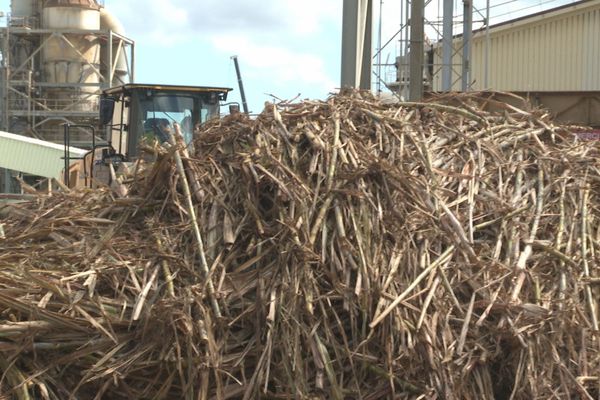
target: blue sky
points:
(286, 47)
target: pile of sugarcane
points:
(339, 249)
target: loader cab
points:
(134, 113)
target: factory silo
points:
(58, 55)
(72, 58)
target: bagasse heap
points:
(357, 251)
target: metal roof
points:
(531, 18)
(137, 86)
(546, 13)
(34, 156)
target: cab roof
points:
(130, 87)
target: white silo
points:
(56, 62)
(72, 58)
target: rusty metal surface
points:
(88, 4)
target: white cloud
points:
(157, 21)
(284, 45)
(308, 16)
(280, 65)
(217, 16)
(277, 40)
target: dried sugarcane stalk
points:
(166, 270)
(440, 260)
(359, 249)
(526, 253)
(584, 257)
(190, 169)
(194, 222)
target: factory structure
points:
(57, 57)
(552, 57)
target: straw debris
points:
(339, 249)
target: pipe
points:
(241, 84)
(487, 46)
(417, 49)
(467, 36)
(447, 45)
(379, 47)
(356, 44)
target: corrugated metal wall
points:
(557, 51)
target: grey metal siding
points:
(557, 51)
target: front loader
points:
(133, 113)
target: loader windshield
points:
(159, 112)
(149, 113)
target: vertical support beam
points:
(132, 71)
(7, 181)
(447, 45)
(407, 24)
(356, 44)
(467, 36)
(486, 77)
(417, 49)
(402, 28)
(108, 80)
(379, 44)
(6, 57)
(350, 45)
(366, 71)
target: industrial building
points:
(552, 57)
(57, 56)
(342, 248)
